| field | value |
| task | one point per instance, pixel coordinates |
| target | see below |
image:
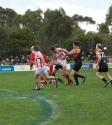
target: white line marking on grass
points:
(21, 97)
(6, 90)
(55, 112)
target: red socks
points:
(50, 69)
(42, 80)
(67, 77)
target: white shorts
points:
(62, 62)
(41, 70)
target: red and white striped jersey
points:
(38, 60)
(59, 55)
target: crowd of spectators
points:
(89, 55)
(17, 60)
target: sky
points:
(97, 9)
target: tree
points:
(20, 39)
(57, 25)
(17, 21)
(31, 19)
(103, 28)
(109, 16)
(92, 38)
(88, 40)
(6, 16)
(3, 36)
(79, 18)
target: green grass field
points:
(87, 104)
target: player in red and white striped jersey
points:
(60, 59)
(41, 67)
(32, 58)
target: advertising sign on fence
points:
(84, 66)
(6, 68)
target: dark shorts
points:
(58, 67)
(77, 66)
(103, 70)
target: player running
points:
(59, 59)
(103, 66)
(41, 67)
(76, 52)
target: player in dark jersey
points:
(103, 66)
(78, 62)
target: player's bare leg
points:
(36, 76)
(98, 74)
(109, 77)
(50, 78)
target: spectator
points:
(11, 60)
(2, 63)
(20, 58)
(88, 58)
(16, 60)
(7, 60)
(23, 59)
(87, 53)
(91, 53)
(83, 56)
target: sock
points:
(42, 80)
(53, 74)
(50, 69)
(76, 79)
(38, 87)
(80, 76)
(42, 85)
(104, 80)
(68, 78)
(50, 80)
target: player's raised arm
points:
(59, 49)
(73, 51)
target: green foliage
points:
(103, 28)
(57, 25)
(68, 43)
(31, 19)
(6, 16)
(80, 18)
(20, 39)
(17, 21)
(88, 40)
(109, 16)
(3, 35)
